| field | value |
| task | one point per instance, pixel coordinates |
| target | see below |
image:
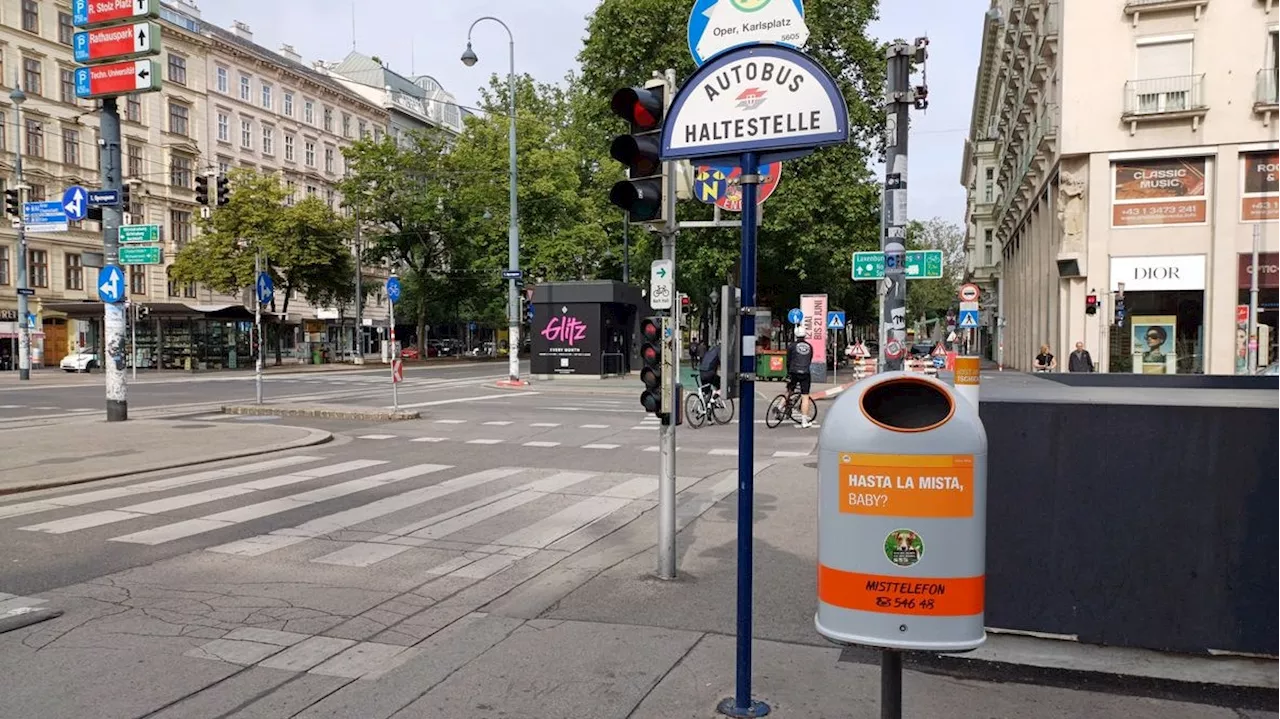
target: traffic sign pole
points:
(24, 331)
(396, 367)
(671, 347)
(113, 312)
(257, 328)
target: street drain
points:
(811, 465)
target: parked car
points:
(409, 353)
(79, 361)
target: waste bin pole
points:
(890, 684)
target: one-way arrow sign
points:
(111, 284)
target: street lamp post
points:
(24, 330)
(469, 58)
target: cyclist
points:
(799, 357)
(709, 370)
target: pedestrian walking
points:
(1080, 361)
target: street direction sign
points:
(393, 289)
(85, 13)
(104, 198)
(27, 291)
(835, 320)
(769, 99)
(921, 265)
(795, 316)
(75, 200)
(111, 284)
(662, 284)
(512, 274)
(141, 255)
(719, 25)
(718, 185)
(46, 216)
(119, 78)
(969, 292)
(117, 42)
(266, 288)
(968, 319)
(138, 234)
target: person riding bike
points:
(709, 370)
(799, 358)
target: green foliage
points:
(932, 298)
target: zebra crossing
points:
(462, 524)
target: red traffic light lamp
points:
(651, 359)
(643, 107)
(1091, 304)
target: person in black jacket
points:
(1080, 361)
(799, 360)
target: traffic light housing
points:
(643, 194)
(1091, 304)
(651, 364)
(126, 197)
(223, 190)
(202, 190)
(13, 202)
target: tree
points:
(932, 298)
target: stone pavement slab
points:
(65, 453)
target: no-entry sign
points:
(968, 292)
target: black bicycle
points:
(707, 403)
(786, 406)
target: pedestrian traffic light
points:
(1091, 304)
(651, 364)
(642, 194)
(13, 202)
(224, 190)
(202, 190)
(126, 196)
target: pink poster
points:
(814, 308)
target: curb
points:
(830, 393)
(314, 437)
(321, 413)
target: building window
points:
(268, 140)
(36, 193)
(221, 81)
(133, 158)
(246, 134)
(989, 185)
(4, 133)
(288, 148)
(331, 198)
(224, 165)
(179, 227)
(31, 16)
(224, 127)
(66, 31)
(35, 138)
(137, 279)
(266, 96)
(245, 93)
(377, 133)
(67, 86)
(37, 268)
(180, 169)
(1164, 81)
(178, 117)
(309, 151)
(362, 129)
(309, 112)
(32, 80)
(292, 188)
(189, 290)
(988, 247)
(328, 119)
(346, 125)
(177, 69)
(133, 108)
(4, 265)
(328, 159)
(312, 190)
(75, 272)
(288, 104)
(71, 147)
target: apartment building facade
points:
(412, 103)
(1126, 150)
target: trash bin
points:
(902, 481)
(771, 365)
(317, 355)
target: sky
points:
(427, 37)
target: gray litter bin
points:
(902, 475)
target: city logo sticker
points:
(903, 547)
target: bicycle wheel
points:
(695, 409)
(798, 416)
(722, 410)
(774, 414)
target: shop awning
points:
(93, 310)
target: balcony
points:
(1135, 8)
(1048, 50)
(1265, 93)
(1164, 98)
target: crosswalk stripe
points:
(545, 424)
(169, 504)
(160, 485)
(200, 525)
(723, 453)
(541, 444)
(460, 522)
(428, 439)
(484, 441)
(280, 538)
(784, 453)
(601, 446)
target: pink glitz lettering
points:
(569, 330)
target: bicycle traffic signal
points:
(642, 194)
(651, 360)
(202, 189)
(223, 190)
(13, 202)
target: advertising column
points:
(814, 308)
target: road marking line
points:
(723, 453)
(543, 532)
(484, 441)
(784, 453)
(428, 439)
(451, 421)
(307, 654)
(545, 424)
(644, 426)
(361, 555)
(376, 436)
(540, 444)
(498, 423)
(593, 426)
(456, 400)
(654, 448)
(452, 525)
(601, 446)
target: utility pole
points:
(24, 330)
(667, 440)
(257, 326)
(114, 320)
(899, 100)
(359, 355)
(1254, 343)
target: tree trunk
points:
(422, 325)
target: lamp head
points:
(469, 56)
(18, 96)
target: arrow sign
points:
(85, 13)
(662, 286)
(795, 316)
(265, 288)
(119, 78)
(117, 42)
(111, 284)
(74, 202)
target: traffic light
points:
(651, 361)
(1091, 304)
(126, 197)
(642, 194)
(13, 202)
(224, 190)
(202, 190)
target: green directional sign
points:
(921, 265)
(139, 234)
(141, 255)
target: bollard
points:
(902, 466)
(967, 379)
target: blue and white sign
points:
(968, 319)
(768, 99)
(393, 289)
(47, 216)
(266, 288)
(104, 198)
(111, 284)
(31, 320)
(75, 200)
(81, 46)
(795, 316)
(835, 320)
(512, 274)
(472, 326)
(719, 25)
